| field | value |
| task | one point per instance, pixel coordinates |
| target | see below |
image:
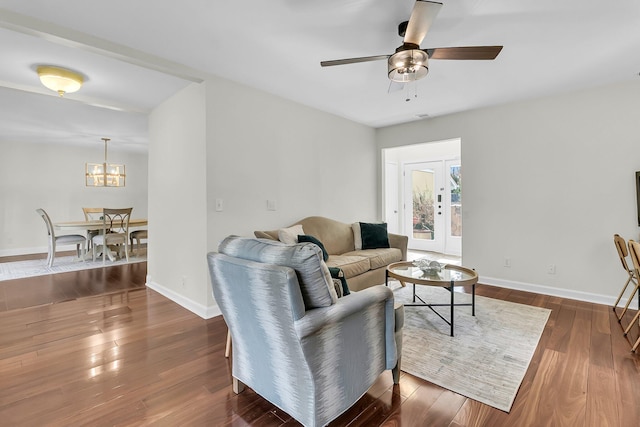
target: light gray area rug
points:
(63, 264)
(489, 355)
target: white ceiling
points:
(135, 54)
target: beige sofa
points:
(362, 268)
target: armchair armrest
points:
(319, 318)
(399, 241)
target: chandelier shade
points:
(104, 174)
(408, 65)
(59, 79)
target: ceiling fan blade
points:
(353, 60)
(422, 16)
(466, 52)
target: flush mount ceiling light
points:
(59, 79)
(408, 65)
(104, 174)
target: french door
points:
(433, 207)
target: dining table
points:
(96, 224)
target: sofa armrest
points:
(399, 241)
(271, 235)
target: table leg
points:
(452, 306)
(473, 299)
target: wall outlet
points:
(271, 205)
(184, 282)
(551, 269)
(218, 205)
(507, 262)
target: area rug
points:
(489, 355)
(63, 264)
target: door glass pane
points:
(423, 184)
(455, 178)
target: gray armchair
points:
(294, 342)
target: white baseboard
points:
(206, 312)
(28, 251)
(548, 290)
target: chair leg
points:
(52, 253)
(237, 385)
(631, 298)
(630, 325)
(624, 288)
(396, 373)
(227, 348)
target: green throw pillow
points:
(311, 239)
(374, 235)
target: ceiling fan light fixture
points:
(408, 65)
(59, 79)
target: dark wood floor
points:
(56, 288)
(136, 358)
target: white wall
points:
(262, 147)
(176, 265)
(547, 181)
(51, 176)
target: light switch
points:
(218, 205)
(271, 205)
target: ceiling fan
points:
(409, 62)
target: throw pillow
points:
(314, 278)
(357, 235)
(290, 235)
(308, 238)
(338, 276)
(374, 235)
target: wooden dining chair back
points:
(92, 214)
(621, 247)
(67, 239)
(115, 223)
(634, 251)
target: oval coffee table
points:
(450, 277)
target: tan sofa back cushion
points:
(336, 236)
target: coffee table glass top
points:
(406, 271)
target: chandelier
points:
(104, 174)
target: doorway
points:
(428, 183)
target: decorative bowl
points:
(427, 266)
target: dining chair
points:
(137, 235)
(621, 247)
(67, 239)
(115, 223)
(91, 214)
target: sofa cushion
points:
(379, 257)
(316, 284)
(350, 265)
(357, 236)
(374, 235)
(290, 235)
